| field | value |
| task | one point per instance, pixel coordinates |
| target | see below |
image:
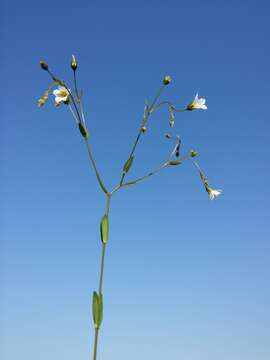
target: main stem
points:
(101, 278)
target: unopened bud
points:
(44, 65)
(193, 153)
(167, 79)
(143, 129)
(73, 63)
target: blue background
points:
(185, 278)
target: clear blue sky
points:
(185, 278)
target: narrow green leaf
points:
(104, 229)
(97, 309)
(100, 309)
(83, 131)
(175, 162)
(130, 183)
(128, 164)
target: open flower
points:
(213, 193)
(197, 103)
(61, 95)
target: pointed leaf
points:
(175, 162)
(104, 229)
(95, 308)
(128, 164)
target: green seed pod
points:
(104, 229)
(128, 164)
(97, 309)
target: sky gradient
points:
(185, 278)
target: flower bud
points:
(73, 63)
(143, 129)
(44, 65)
(193, 153)
(167, 79)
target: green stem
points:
(101, 278)
(75, 84)
(95, 167)
(95, 344)
(102, 268)
(151, 173)
(140, 131)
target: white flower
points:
(213, 193)
(197, 103)
(61, 95)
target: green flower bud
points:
(193, 153)
(167, 79)
(44, 65)
(73, 63)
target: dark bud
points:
(143, 129)
(73, 63)
(44, 65)
(167, 80)
(193, 153)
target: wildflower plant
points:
(72, 100)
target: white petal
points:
(58, 100)
(204, 107)
(202, 101)
(196, 97)
(56, 92)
